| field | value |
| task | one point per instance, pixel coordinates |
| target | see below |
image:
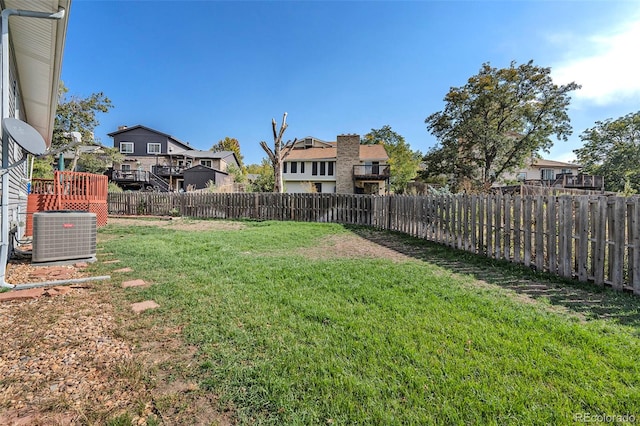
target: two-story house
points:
(156, 160)
(344, 166)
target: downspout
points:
(4, 184)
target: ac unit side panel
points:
(63, 236)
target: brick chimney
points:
(348, 147)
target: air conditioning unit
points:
(63, 235)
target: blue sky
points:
(203, 70)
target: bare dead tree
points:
(279, 151)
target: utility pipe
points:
(4, 179)
(61, 282)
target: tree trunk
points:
(279, 152)
(76, 156)
(277, 170)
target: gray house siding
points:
(18, 175)
(140, 138)
(198, 176)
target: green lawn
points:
(286, 338)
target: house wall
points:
(305, 187)
(143, 163)
(140, 137)
(18, 175)
(348, 147)
(223, 179)
(304, 182)
(218, 164)
(198, 177)
(308, 171)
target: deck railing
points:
(375, 171)
(130, 176)
(68, 191)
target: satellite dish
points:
(25, 135)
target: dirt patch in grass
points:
(352, 246)
(370, 244)
(85, 358)
(178, 223)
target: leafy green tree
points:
(43, 167)
(403, 161)
(254, 168)
(496, 121)
(236, 172)
(99, 161)
(229, 144)
(612, 149)
(74, 114)
(265, 180)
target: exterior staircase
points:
(158, 183)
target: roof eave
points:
(40, 101)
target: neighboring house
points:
(555, 173)
(154, 159)
(344, 167)
(34, 46)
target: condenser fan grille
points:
(63, 236)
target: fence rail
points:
(590, 238)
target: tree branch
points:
(287, 148)
(268, 150)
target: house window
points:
(522, 176)
(547, 174)
(314, 168)
(207, 163)
(302, 167)
(567, 172)
(330, 171)
(294, 167)
(125, 167)
(126, 147)
(323, 168)
(154, 148)
(284, 167)
(318, 187)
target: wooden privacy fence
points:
(591, 238)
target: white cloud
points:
(610, 71)
(560, 154)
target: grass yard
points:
(299, 323)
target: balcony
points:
(166, 171)
(570, 181)
(130, 176)
(372, 172)
(580, 181)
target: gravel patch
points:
(60, 361)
